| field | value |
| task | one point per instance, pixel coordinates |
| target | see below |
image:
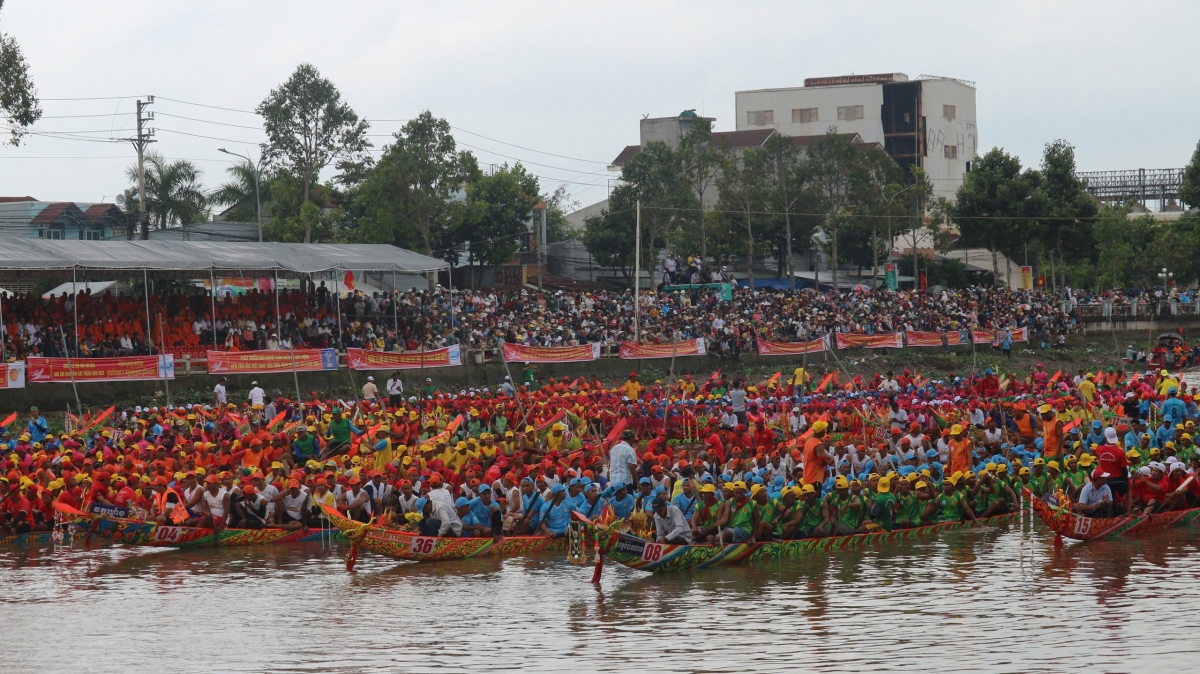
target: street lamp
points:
(1167, 277)
(257, 200)
(891, 243)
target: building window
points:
(804, 115)
(51, 232)
(951, 152)
(849, 113)
(948, 112)
(760, 117)
(93, 234)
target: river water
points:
(1002, 599)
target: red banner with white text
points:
(769, 348)
(953, 338)
(130, 368)
(689, 347)
(253, 362)
(893, 340)
(362, 359)
(985, 336)
(551, 354)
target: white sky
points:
(572, 78)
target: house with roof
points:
(27, 217)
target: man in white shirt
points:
(219, 394)
(395, 390)
(622, 460)
(369, 390)
(889, 386)
(1095, 498)
(441, 519)
(438, 491)
(257, 396)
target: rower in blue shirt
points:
(556, 515)
(486, 511)
(622, 501)
(1173, 406)
(1095, 436)
(687, 499)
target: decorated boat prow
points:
(1068, 524)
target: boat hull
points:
(1080, 528)
(152, 534)
(643, 555)
(411, 546)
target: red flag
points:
(9, 419)
(103, 415)
(825, 382)
(348, 280)
(616, 431)
(278, 418)
(714, 376)
(774, 378)
(807, 434)
(1054, 379)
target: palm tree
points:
(239, 193)
(174, 195)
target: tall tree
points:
(241, 194)
(742, 184)
(788, 193)
(995, 203)
(409, 197)
(1189, 193)
(1071, 210)
(699, 164)
(174, 195)
(18, 96)
(656, 181)
(609, 236)
(833, 161)
(498, 208)
(308, 126)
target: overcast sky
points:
(1118, 80)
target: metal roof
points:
(34, 255)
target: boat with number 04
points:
(140, 532)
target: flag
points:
(104, 415)
(1054, 379)
(9, 419)
(616, 431)
(348, 280)
(825, 382)
(278, 418)
(714, 376)
(774, 378)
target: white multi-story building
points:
(927, 122)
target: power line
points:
(110, 114)
(206, 121)
(561, 156)
(91, 98)
(204, 105)
(196, 135)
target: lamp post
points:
(257, 199)
(891, 242)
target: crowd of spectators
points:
(111, 325)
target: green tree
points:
(558, 205)
(995, 204)
(239, 193)
(19, 103)
(833, 161)
(789, 193)
(1189, 193)
(653, 177)
(742, 184)
(174, 195)
(308, 126)
(699, 165)
(413, 196)
(609, 236)
(499, 206)
(1070, 209)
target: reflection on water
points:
(1001, 599)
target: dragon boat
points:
(1082, 528)
(132, 531)
(30, 539)
(645, 555)
(409, 545)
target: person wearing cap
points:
(250, 510)
(815, 456)
(338, 433)
(440, 518)
(556, 513)
(257, 396)
(357, 501)
(670, 526)
(883, 506)
(306, 446)
(706, 514)
(1052, 432)
(370, 392)
(37, 427)
(1096, 499)
(739, 520)
(486, 513)
(950, 505)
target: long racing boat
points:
(644, 555)
(141, 532)
(1082, 528)
(400, 544)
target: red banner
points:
(131, 368)
(362, 359)
(985, 336)
(690, 347)
(551, 354)
(953, 338)
(769, 348)
(302, 360)
(894, 340)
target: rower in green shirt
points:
(908, 507)
(883, 510)
(950, 505)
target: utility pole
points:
(143, 138)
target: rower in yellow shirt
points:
(632, 388)
(1087, 388)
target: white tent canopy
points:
(94, 287)
(42, 255)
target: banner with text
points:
(689, 347)
(14, 375)
(130, 368)
(985, 336)
(551, 354)
(893, 340)
(253, 362)
(362, 359)
(953, 338)
(769, 348)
